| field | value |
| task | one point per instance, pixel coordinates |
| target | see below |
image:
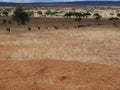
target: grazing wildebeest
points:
(29, 28)
(8, 29)
(55, 27)
(38, 27)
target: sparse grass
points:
(85, 41)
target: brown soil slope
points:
(57, 75)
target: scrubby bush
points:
(118, 14)
(74, 14)
(39, 13)
(77, 14)
(87, 14)
(97, 16)
(69, 14)
(48, 12)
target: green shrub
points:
(39, 13)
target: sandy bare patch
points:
(57, 75)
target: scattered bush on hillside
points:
(97, 16)
(48, 12)
(118, 15)
(40, 13)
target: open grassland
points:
(95, 43)
(51, 58)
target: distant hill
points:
(78, 3)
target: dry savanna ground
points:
(61, 55)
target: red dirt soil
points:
(57, 75)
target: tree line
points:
(22, 17)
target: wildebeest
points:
(55, 27)
(8, 29)
(38, 27)
(29, 28)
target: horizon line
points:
(63, 1)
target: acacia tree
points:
(21, 16)
(78, 17)
(97, 16)
(69, 14)
(87, 14)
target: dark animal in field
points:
(38, 27)
(55, 27)
(79, 26)
(8, 30)
(29, 28)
